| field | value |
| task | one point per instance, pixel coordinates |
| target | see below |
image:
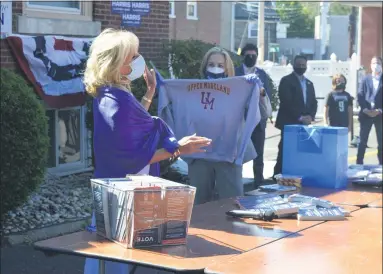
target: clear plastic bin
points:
(289, 180)
(142, 211)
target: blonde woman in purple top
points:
(127, 140)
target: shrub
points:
(24, 141)
(274, 100)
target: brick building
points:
(208, 21)
(371, 32)
(79, 19)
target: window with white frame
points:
(68, 139)
(191, 10)
(172, 13)
(252, 6)
(252, 30)
(75, 10)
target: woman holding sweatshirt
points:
(221, 176)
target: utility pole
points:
(352, 31)
(323, 24)
(261, 32)
(232, 34)
(359, 47)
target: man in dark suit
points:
(297, 103)
(250, 54)
(371, 105)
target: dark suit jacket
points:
(239, 71)
(365, 91)
(291, 103)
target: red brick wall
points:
(207, 28)
(153, 30)
(7, 60)
(371, 34)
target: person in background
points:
(338, 108)
(298, 104)
(250, 54)
(370, 102)
(126, 137)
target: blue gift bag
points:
(318, 154)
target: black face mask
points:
(250, 60)
(300, 71)
(211, 75)
(341, 86)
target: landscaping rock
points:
(66, 199)
(57, 200)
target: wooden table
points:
(378, 203)
(353, 195)
(337, 247)
(213, 237)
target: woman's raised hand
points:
(193, 144)
(150, 79)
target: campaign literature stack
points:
(142, 211)
(304, 208)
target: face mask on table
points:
(250, 60)
(138, 68)
(215, 73)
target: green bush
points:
(24, 141)
(274, 100)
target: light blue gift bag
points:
(318, 154)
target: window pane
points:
(52, 138)
(253, 30)
(191, 10)
(69, 138)
(58, 4)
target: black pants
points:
(258, 139)
(365, 128)
(278, 165)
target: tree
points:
(339, 9)
(298, 16)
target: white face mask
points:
(138, 68)
(215, 70)
(376, 68)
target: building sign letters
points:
(131, 11)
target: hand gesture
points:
(371, 112)
(374, 113)
(193, 144)
(307, 120)
(253, 79)
(150, 79)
